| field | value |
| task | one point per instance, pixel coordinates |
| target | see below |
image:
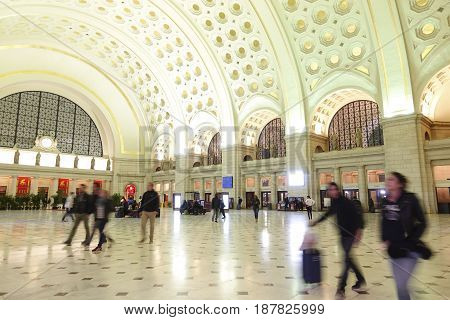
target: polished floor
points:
(193, 258)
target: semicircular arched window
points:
(271, 143)
(356, 124)
(214, 150)
(28, 115)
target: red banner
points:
(63, 185)
(23, 185)
(98, 184)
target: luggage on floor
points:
(134, 214)
(311, 266)
(120, 213)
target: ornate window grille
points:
(356, 124)
(28, 115)
(214, 150)
(271, 143)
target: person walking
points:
(256, 204)
(149, 209)
(403, 223)
(309, 204)
(239, 206)
(103, 207)
(82, 208)
(216, 207)
(222, 209)
(286, 204)
(350, 224)
(69, 206)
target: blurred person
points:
(82, 208)
(69, 206)
(256, 205)
(103, 207)
(350, 224)
(286, 204)
(371, 205)
(183, 207)
(216, 207)
(309, 204)
(239, 205)
(403, 223)
(149, 209)
(222, 208)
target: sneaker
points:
(216, 220)
(67, 243)
(141, 241)
(360, 287)
(340, 294)
(97, 250)
(85, 243)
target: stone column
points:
(13, 186)
(231, 166)
(202, 188)
(170, 192)
(258, 185)
(337, 176)
(73, 186)
(298, 158)
(34, 185)
(403, 150)
(53, 187)
(213, 187)
(273, 190)
(362, 185)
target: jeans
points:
(68, 213)
(146, 215)
(223, 213)
(256, 211)
(402, 269)
(215, 214)
(347, 243)
(100, 225)
(309, 210)
(78, 218)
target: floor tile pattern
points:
(194, 258)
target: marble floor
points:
(193, 258)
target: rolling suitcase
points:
(311, 266)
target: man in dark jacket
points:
(82, 207)
(350, 224)
(103, 207)
(149, 208)
(216, 207)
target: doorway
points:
(281, 196)
(443, 199)
(351, 193)
(249, 196)
(265, 198)
(377, 196)
(207, 197)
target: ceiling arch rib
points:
(327, 36)
(233, 31)
(99, 48)
(157, 33)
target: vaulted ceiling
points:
(181, 61)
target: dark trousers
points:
(100, 226)
(256, 211)
(223, 213)
(309, 210)
(347, 243)
(80, 217)
(68, 213)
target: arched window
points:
(248, 158)
(28, 115)
(271, 143)
(356, 124)
(318, 149)
(214, 150)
